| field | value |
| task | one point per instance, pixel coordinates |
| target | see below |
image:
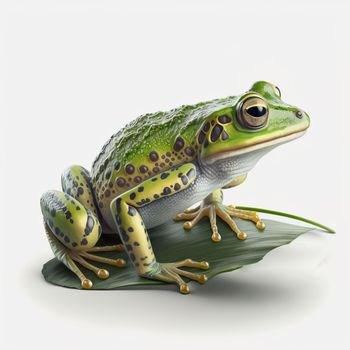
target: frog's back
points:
(150, 144)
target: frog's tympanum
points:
(156, 168)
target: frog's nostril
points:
(299, 114)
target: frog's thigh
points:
(75, 226)
(128, 220)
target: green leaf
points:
(172, 243)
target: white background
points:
(74, 72)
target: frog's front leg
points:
(134, 234)
(213, 206)
(72, 226)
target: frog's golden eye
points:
(253, 112)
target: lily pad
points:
(172, 243)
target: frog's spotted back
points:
(154, 143)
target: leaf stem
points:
(279, 213)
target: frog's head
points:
(255, 120)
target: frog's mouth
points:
(247, 149)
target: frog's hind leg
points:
(73, 231)
(72, 225)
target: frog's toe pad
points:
(102, 274)
(86, 284)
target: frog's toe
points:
(246, 215)
(171, 273)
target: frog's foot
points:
(225, 212)
(170, 272)
(81, 257)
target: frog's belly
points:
(212, 178)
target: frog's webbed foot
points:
(81, 257)
(211, 207)
(170, 273)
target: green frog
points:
(156, 168)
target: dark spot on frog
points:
(177, 187)
(136, 244)
(138, 179)
(66, 239)
(184, 180)
(206, 143)
(80, 191)
(143, 169)
(140, 189)
(206, 127)
(156, 169)
(154, 179)
(133, 196)
(108, 174)
(118, 219)
(89, 225)
(74, 244)
(201, 137)
(164, 176)
(53, 212)
(189, 151)
(179, 144)
(116, 166)
(128, 247)
(130, 229)
(216, 132)
(100, 204)
(124, 235)
(84, 241)
(156, 196)
(68, 214)
(224, 135)
(131, 211)
(107, 193)
(153, 156)
(132, 257)
(57, 231)
(166, 191)
(224, 119)
(121, 182)
(168, 154)
(130, 169)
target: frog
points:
(157, 168)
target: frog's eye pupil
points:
(257, 111)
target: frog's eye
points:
(253, 112)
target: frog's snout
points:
(304, 118)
